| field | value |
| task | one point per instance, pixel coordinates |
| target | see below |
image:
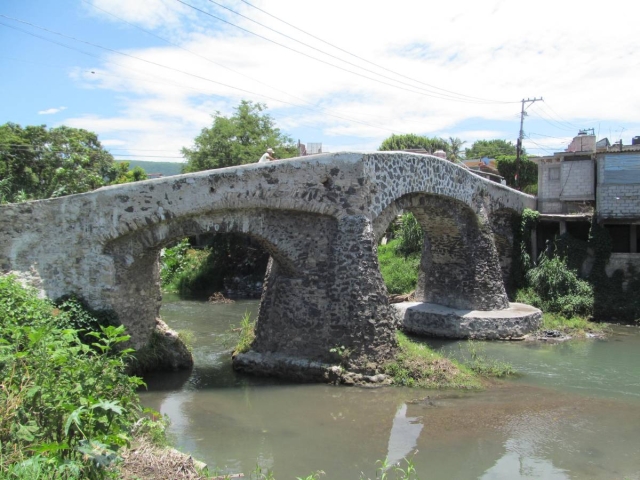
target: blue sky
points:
(146, 75)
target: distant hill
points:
(167, 169)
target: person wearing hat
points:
(268, 156)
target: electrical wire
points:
(173, 69)
(439, 96)
(451, 97)
(368, 61)
(223, 66)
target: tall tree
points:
(528, 181)
(455, 148)
(490, 148)
(36, 162)
(411, 141)
(237, 140)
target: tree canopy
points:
(490, 148)
(528, 181)
(237, 140)
(411, 141)
(36, 163)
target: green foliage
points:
(121, 173)
(607, 300)
(37, 163)
(167, 169)
(476, 359)
(576, 326)
(173, 262)
(400, 273)
(521, 261)
(410, 235)
(237, 140)
(65, 407)
(199, 273)
(397, 471)
(490, 148)
(455, 148)
(553, 287)
(247, 334)
(528, 172)
(611, 301)
(411, 141)
(416, 365)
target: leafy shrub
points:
(410, 235)
(400, 273)
(173, 261)
(553, 287)
(65, 407)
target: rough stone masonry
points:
(319, 218)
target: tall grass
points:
(400, 273)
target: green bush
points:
(66, 407)
(400, 273)
(553, 287)
(410, 235)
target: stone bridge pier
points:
(331, 308)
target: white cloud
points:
(458, 50)
(51, 111)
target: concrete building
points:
(592, 176)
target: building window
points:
(554, 173)
(579, 230)
(620, 238)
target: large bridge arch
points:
(285, 235)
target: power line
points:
(341, 59)
(439, 96)
(367, 61)
(171, 68)
(559, 117)
(551, 121)
(214, 62)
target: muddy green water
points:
(573, 414)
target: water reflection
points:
(574, 414)
(403, 437)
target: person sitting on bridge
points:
(267, 157)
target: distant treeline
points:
(165, 168)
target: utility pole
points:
(519, 143)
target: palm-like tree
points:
(455, 148)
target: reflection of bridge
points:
(319, 218)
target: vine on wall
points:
(610, 301)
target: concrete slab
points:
(439, 321)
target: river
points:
(573, 413)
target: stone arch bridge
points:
(319, 218)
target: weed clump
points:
(417, 365)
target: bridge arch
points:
(135, 293)
(459, 266)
